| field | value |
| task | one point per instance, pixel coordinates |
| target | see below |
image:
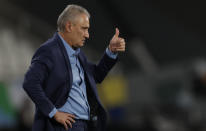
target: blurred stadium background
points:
(159, 83)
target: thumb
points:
(116, 32)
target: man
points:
(62, 83)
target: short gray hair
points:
(69, 14)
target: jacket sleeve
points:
(100, 70)
(34, 80)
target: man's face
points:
(79, 30)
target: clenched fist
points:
(117, 44)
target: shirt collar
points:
(69, 49)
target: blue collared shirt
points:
(77, 103)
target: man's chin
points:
(82, 44)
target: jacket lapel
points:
(90, 79)
(87, 74)
(67, 61)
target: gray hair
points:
(69, 14)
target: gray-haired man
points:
(62, 83)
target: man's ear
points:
(68, 26)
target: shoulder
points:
(48, 47)
(46, 52)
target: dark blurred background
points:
(159, 84)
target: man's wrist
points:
(111, 54)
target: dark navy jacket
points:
(49, 80)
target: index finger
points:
(71, 115)
(121, 39)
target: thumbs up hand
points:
(117, 44)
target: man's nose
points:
(87, 35)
